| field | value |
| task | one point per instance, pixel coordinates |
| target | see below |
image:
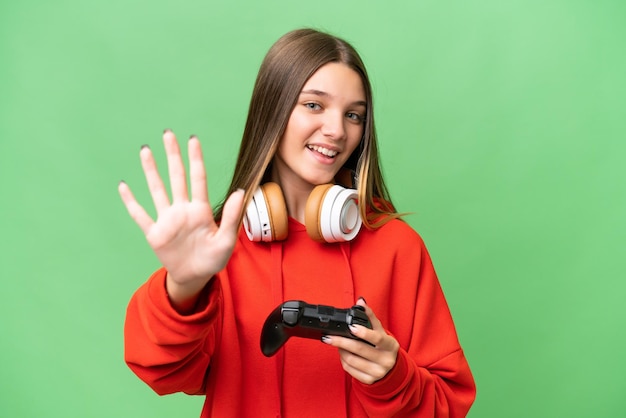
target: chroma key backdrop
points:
(502, 127)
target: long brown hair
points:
(289, 63)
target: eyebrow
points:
(325, 94)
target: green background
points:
(502, 128)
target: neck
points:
(295, 199)
(296, 195)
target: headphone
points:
(331, 214)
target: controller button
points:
(290, 317)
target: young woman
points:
(195, 325)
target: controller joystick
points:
(296, 318)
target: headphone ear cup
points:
(332, 214)
(277, 209)
(251, 219)
(266, 215)
(313, 212)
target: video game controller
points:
(296, 318)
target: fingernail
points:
(145, 146)
(326, 339)
(363, 299)
(193, 137)
(166, 130)
(353, 328)
(121, 182)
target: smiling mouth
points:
(324, 151)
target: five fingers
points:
(178, 182)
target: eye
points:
(354, 117)
(313, 106)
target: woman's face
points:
(324, 128)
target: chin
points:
(323, 180)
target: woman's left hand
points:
(365, 363)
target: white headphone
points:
(331, 214)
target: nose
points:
(333, 126)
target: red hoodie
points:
(216, 351)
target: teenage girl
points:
(195, 325)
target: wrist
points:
(184, 296)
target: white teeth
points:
(327, 152)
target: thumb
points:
(369, 312)
(231, 214)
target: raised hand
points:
(185, 237)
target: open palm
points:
(185, 236)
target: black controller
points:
(296, 318)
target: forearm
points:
(170, 351)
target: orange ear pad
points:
(313, 210)
(277, 210)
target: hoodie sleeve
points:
(169, 351)
(431, 377)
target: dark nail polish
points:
(193, 136)
(121, 182)
(363, 299)
(145, 146)
(166, 130)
